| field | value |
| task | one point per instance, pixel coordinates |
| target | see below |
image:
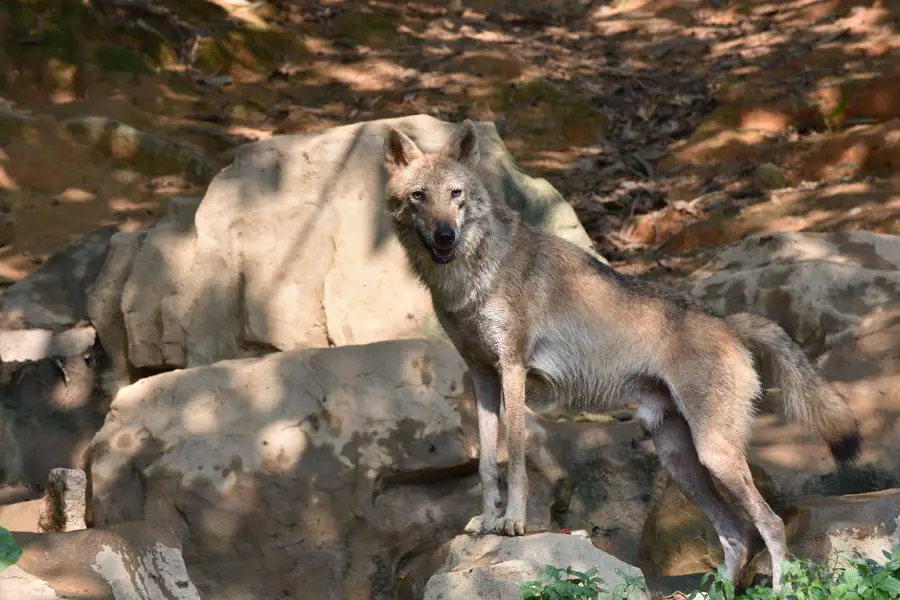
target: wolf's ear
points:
(399, 150)
(463, 145)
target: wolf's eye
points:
(418, 196)
(455, 193)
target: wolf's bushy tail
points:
(806, 396)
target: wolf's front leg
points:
(513, 381)
(487, 398)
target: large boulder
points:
(320, 469)
(131, 561)
(290, 248)
(491, 567)
(838, 294)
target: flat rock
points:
(858, 524)
(291, 248)
(21, 516)
(131, 561)
(491, 566)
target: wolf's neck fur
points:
(460, 286)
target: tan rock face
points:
(316, 469)
(290, 248)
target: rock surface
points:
(291, 248)
(867, 524)
(53, 296)
(21, 516)
(28, 345)
(317, 469)
(491, 566)
(131, 561)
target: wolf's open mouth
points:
(441, 255)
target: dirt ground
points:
(671, 126)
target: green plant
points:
(843, 578)
(562, 584)
(9, 549)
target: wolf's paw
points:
(483, 524)
(512, 527)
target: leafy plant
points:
(843, 578)
(562, 584)
(9, 549)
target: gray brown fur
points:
(519, 302)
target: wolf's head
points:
(437, 198)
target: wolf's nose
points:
(444, 235)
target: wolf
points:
(519, 303)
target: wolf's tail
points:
(806, 395)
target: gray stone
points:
(65, 501)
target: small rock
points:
(65, 501)
(770, 177)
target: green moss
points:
(212, 56)
(376, 29)
(252, 48)
(113, 58)
(69, 31)
(545, 109)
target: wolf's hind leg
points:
(676, 451)
(724, 456)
